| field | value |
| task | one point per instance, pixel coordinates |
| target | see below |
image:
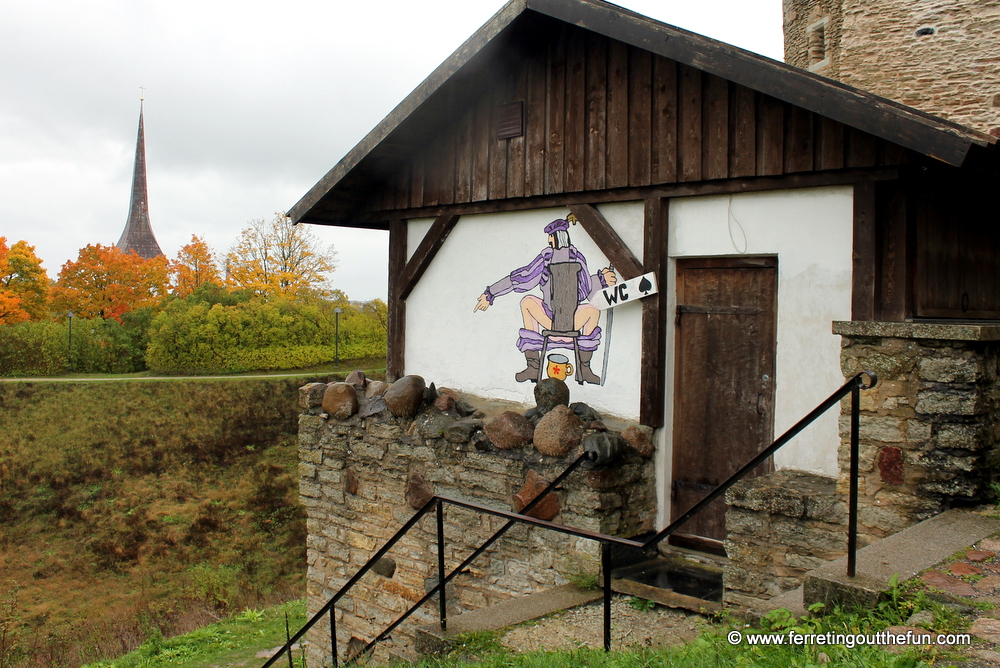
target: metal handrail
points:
(852, 387)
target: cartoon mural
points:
(561, 317)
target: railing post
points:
(441, 580)
(852, 516)
(606, 572)
(333, 635)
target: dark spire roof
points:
(138, 233)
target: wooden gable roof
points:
(612, 99)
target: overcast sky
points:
(247, 106)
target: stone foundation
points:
(929, 430)
(362, 478)
(929, 441)
(780, 526)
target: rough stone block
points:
(950, 368)
(946, 402)
(311, 395)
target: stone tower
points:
(138, 233)
(940, 56)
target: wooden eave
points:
(333, 200)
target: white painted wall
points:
(810, 231)
(476, 352)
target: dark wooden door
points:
(724, 380)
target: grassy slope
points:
(135, 506)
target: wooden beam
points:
(597, 226)
(374, 220)
(428, 248)
(396, 344)
(652, 376)
(863, 283)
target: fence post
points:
(441, 582)
(852, 517)
(606, 572)
(333, 635)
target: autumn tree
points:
(194, 267)
(104, 282)
(24, 284)
(278, 258)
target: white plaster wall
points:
(810, 231)
(476, 352)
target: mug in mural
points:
(559, 367)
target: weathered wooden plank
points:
(555, 168)
(894, 291)
(640, 110)
(652, 376)
(863, 281)
(799, 140)
(483, 132)
(498, 147)
(601, 232)
(664, 143)
(689, 124)
(403, 182)
(723, 187)
(417, 181)
(617, 172)
(534, 126)
(595, 167)
(829, 144)
(396, 342)
(860, 149)
(446, 169)
(516, 92)
(463, 156)
(743, 132)
(715, 130)
(432, 171)
(576, 106)
(770, 135)
(425, 252)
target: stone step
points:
(906, 553)
(432, 640)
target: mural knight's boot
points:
(586, 375)
(531, 371)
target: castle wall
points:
(951, 73)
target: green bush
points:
(99, 346)
(198, 336)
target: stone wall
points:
(371, 453)
(929, 430)
(950, 72)
(929, 441)
(779, 527)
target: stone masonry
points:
(929, 441)
(363, 473)
(942, 54)
(931, 427)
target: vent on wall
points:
(510, 120)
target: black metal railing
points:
(438, 503)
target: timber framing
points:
(840, 126)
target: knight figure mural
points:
(559, 316)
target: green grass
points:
(229, 643)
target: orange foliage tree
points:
(279, 259)
(24, 285)
(194, 266)
(104, 282)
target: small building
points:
(793, 230)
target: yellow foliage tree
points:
(24, 284)
(104, 282)
(194, 266)
(278, 258)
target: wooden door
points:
(724, 382)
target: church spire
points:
(138, 232)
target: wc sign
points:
(624, 292)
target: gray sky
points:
(247, 106)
